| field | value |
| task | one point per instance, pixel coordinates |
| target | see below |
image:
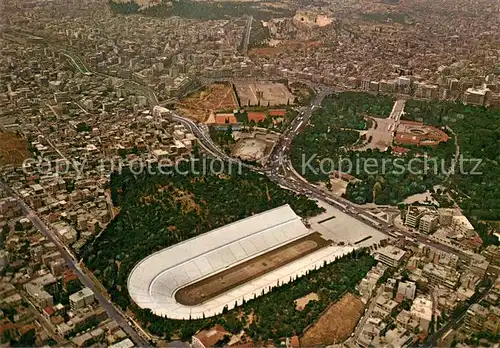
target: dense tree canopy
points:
(202, 10)
(123, 7)
(329, 138)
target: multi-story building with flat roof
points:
(428, 223)
(422, 309)
(479, 264)
(476, 316)
(445, 216)
(462, 225)
(81, 299)
(475, 96)
(390, 255)
(406, 291)
(413, 216)
(39, 289)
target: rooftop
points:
(392, 252)
(211, 336)
(85, 292)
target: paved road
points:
(296, 126)
(112, 312)
(246, 36)
(397, 110)
(44, 321)
(280, 170)
(205, 140)
(81, 67)
(457, 153)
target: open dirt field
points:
(13, 149)
(339, 186)
(201, 104)
(272, 93)
(302, 302)
(221, 282)
(336, 323)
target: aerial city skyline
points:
(229, 173)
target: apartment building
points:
(428, 223)
(390, 255)
(440, 275)
(81, 299)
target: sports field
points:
(221, 282)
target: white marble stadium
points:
(154, 281)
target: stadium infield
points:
(208, 288)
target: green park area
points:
(474, 184)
